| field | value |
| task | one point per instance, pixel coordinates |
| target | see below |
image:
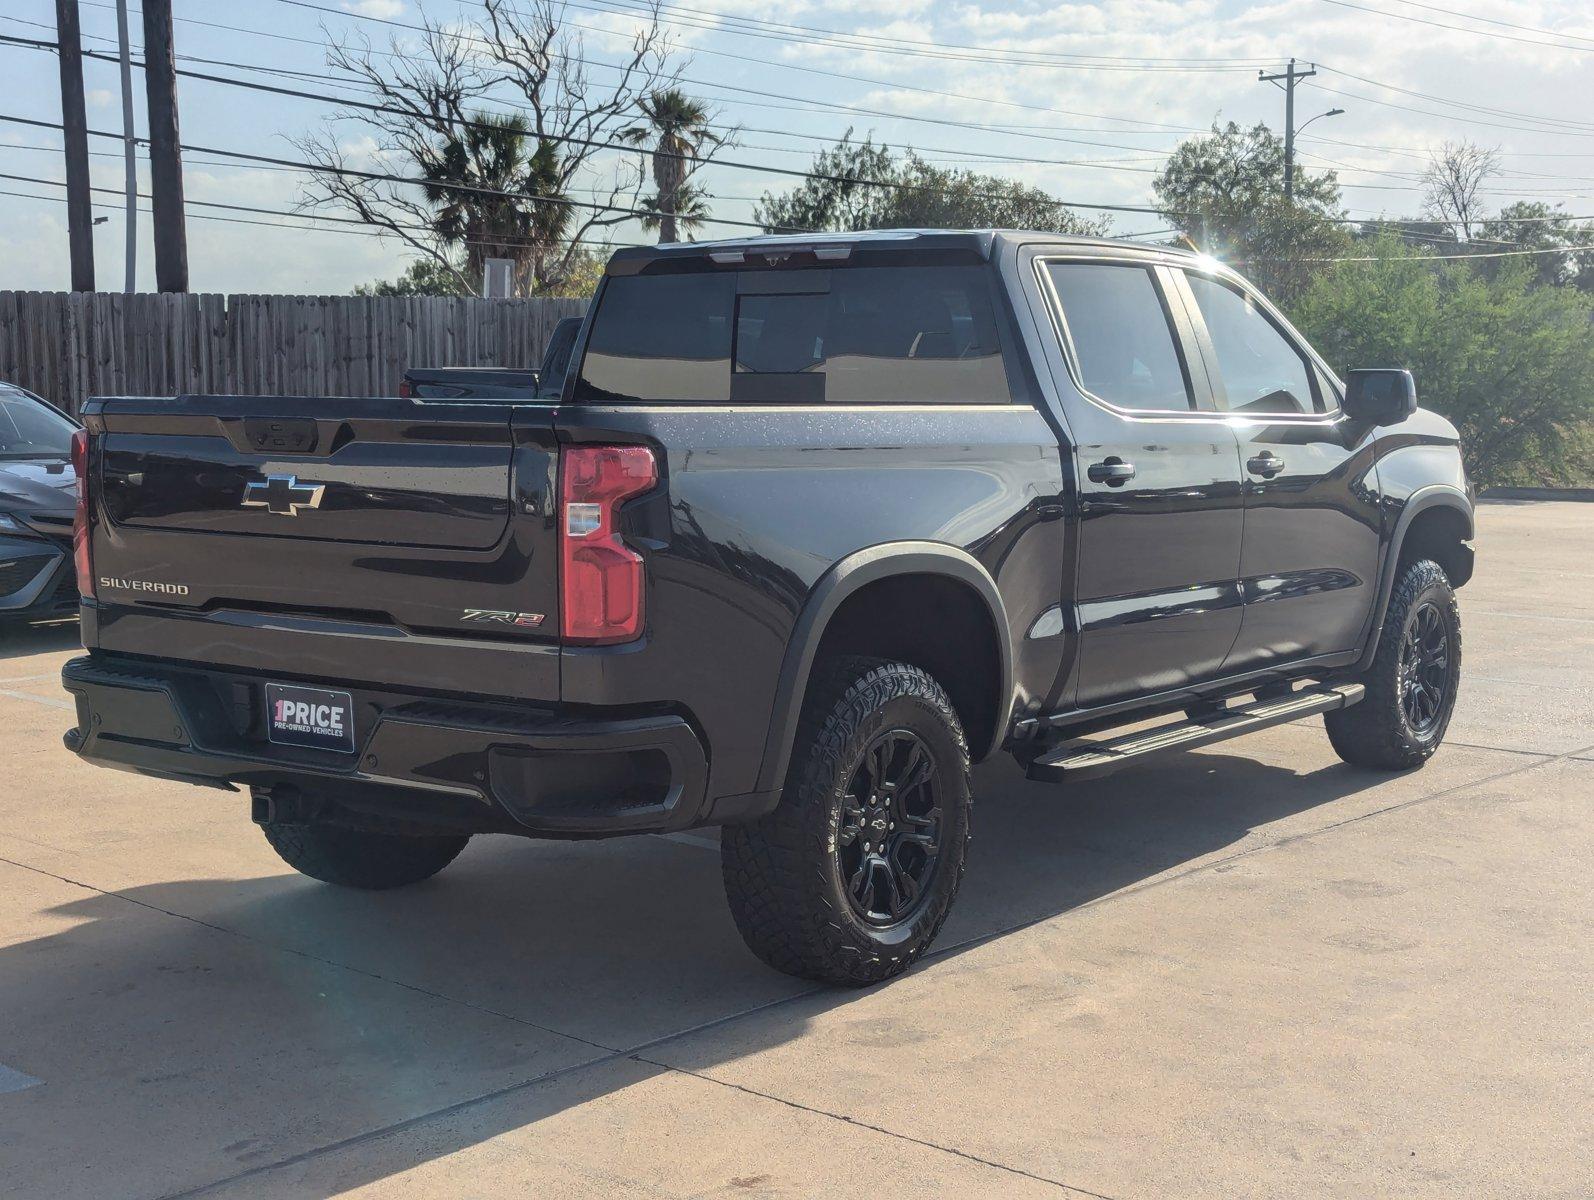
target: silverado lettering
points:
(144, 585)
(809, 526)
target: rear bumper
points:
(477, 767)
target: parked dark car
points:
(814, 524)
(38, 490)
(498, 383)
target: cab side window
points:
(1262, 371)
(1122, 343)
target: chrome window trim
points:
(1149, 260)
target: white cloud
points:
(100, 97)
(385, 10)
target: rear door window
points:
(887, 335)
(1121, 338)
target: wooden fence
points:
(67, 346)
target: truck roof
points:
(980, 242)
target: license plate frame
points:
(308, 718)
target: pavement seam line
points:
(939, 952)
(47, 701)
(880, 1129)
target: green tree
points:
(1534, 225)
(859, 185)
(1510, 363)
(517, 211)
(1225, 192)
(678, 127)
(423, 277)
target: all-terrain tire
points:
(360, 858)
(1380, 731)
(793, 877)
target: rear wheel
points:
(1412, 683)
(359, 858)
(849, 880)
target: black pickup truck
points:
(815, 524)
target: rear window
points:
(890, 335)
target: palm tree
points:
(691, 211)
(678, 127)
(499, 155)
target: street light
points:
(1290, 132)
(1333, 112)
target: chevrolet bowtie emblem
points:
(283, 495)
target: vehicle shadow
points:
(18, 639)
(620, 944)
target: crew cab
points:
(814, 524)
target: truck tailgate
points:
(348, 539)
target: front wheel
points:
(849, 880)
(1412, 684)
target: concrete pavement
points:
(1246, 971)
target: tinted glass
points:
(1262, 372)
(1123, 344)
(556, 361)
(660, 337)
(28, 428)
(859, 335)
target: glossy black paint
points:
(1199, 573)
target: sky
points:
(1084, 100)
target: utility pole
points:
(1291, 76)
(75, 132)
(165, 152)
(129, 145)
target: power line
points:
(801, 103)
(352, 85)
(855, 40)
(1449, 116)
(1457, 28)
(366, 231)
(558, 138)
(1496, 112)
(1491, 21)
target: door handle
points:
(1266, 464)
(1112, 471)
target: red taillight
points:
(82, 556)
(406, 390)
(600, 577)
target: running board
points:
(1078, 759)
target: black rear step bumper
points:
(477, 767)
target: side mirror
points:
(1381, 396)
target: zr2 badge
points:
(491, 616)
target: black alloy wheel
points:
(1424, 668)
(888, 841)
(1413, 679)
(849, 879)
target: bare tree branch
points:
(1453, 183)
(436, 90)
